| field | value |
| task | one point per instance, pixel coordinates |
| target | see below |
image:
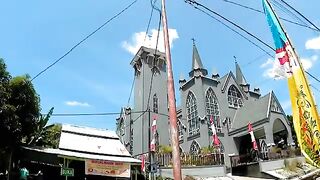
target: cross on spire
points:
(193, 41)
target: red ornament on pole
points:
(214, 133)
(253, 140)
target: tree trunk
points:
(9, 164)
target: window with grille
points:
(212, 109)
(155, 103)
(194, 148)
(192, 115)
(234, 97)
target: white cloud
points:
(286, 105)
(274, 70)
(267, 63)
(76, 103)
(139, 39)
(307, 63)
(313, 43)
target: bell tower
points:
(150, 92)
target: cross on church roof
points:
(193, 41)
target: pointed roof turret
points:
(241, 80)
(197, 65)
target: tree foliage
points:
(19, 109)
(50, 136)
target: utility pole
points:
(149, 144)
(172, 100)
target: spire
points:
(241, 80)
(197, 63)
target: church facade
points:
(228, 100)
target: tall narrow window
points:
(155, 103)
(212, 108)
(180, 129)
(192, 115)
(194, 148)
(234, 97)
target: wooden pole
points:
(172, 100)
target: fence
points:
(192, 159)
(238, 160)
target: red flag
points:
(214, 133)
(143, 169)
(153, 145)
(253, 140)
(154, 126)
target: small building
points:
(86, 153)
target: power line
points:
(75, 46)
(287, 11)
(149, 22)
(90, 114)
(261, 12)
(315, 88)
(254, 60)
(312, 76)
(131, 90)
(154, 58)
(234, 31)
(300, 14)
(193, 2)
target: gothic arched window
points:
(155, 103)
(212, 109)
(192, 114)
(234, 97)
(180, 129)
(194, 148)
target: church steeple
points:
(241, 80)
(197, 67)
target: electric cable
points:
(300, 14)
(193, 3)
(84, 39)
(259, 11)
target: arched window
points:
(212, 109)
(155, 103)
(234, 97)
(180, 129)
(192, 115)
(194, 148)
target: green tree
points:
(19, 112)
(50, 136)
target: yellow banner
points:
(107, 168)
(304, 111)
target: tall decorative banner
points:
(154, 134)
(305, 116)
(253, 139)
(107, 168)
(214, 133)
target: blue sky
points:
(97, 77)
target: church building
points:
(228, 100)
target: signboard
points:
(67, 171)
(107, 168)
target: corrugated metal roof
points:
(89, 131)
(91, 141)
(60, 152)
